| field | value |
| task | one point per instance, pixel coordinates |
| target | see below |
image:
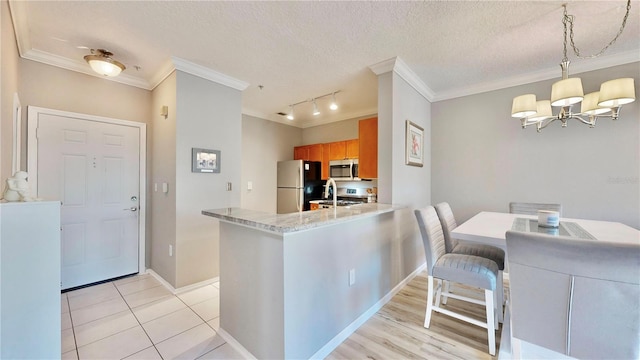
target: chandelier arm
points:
(587, 122)
(570, 18)
(544, 123)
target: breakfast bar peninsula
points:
(290, 284)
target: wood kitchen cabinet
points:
(340, 150)
(368, 154)
(308, 152)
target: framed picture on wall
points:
(205, 161)
(414, 142)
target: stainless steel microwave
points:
(344, 170)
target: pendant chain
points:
(569, 19)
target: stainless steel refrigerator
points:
(298, 183)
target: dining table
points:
(490, 228)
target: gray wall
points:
(482, 159)
(336, 131)
(209, 117)
(264, 143)
(162, 212)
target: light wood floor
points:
(396, 331)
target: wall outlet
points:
(229, 186)
(352, 277)
(170, 250)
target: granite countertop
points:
(286, 223)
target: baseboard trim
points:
(184, 288)
(346, 332)
(246, 354)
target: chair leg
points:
(488, 298)
(427, 315)
(500, 291)
(440, 285)
(447, 289)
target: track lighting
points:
(290, 116)
(314, 101)
(334, 105)
(315, 108)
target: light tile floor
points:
(138, 318)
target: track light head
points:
(334, 105)
(290, 115)
(315, 108)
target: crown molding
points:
(18, 11)
(404, 71)
(209, 74)
(82, 67)
(548, 74)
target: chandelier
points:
(568, 92)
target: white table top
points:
(490, 228)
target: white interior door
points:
(94, 169)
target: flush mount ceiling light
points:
(101, 62)
(316, 111)
(568, 92)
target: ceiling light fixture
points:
(314, 101)
(101, 62)
(316, 112)
(334, 105)
(290, 116)
(568, 92)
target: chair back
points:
(432, 237)
(573, 296)
(448, 222)
(532, 208)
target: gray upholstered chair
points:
(577, 297)
(532, 208)
(470, 270)
(448, 222)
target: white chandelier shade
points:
(523, 106)
(590, 105)
(566, 92)
(614, 93)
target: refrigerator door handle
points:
(298, 186)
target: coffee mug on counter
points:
(548, 218)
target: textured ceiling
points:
(301, 50)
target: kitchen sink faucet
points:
(330, 182)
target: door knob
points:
(133, 208)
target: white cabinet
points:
(30, 280)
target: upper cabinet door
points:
(352, 148)
(301, 153)
(338, 150)
(368, 156)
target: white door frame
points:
(32, 163)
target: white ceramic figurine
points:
(17, 188)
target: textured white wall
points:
(482, 159)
